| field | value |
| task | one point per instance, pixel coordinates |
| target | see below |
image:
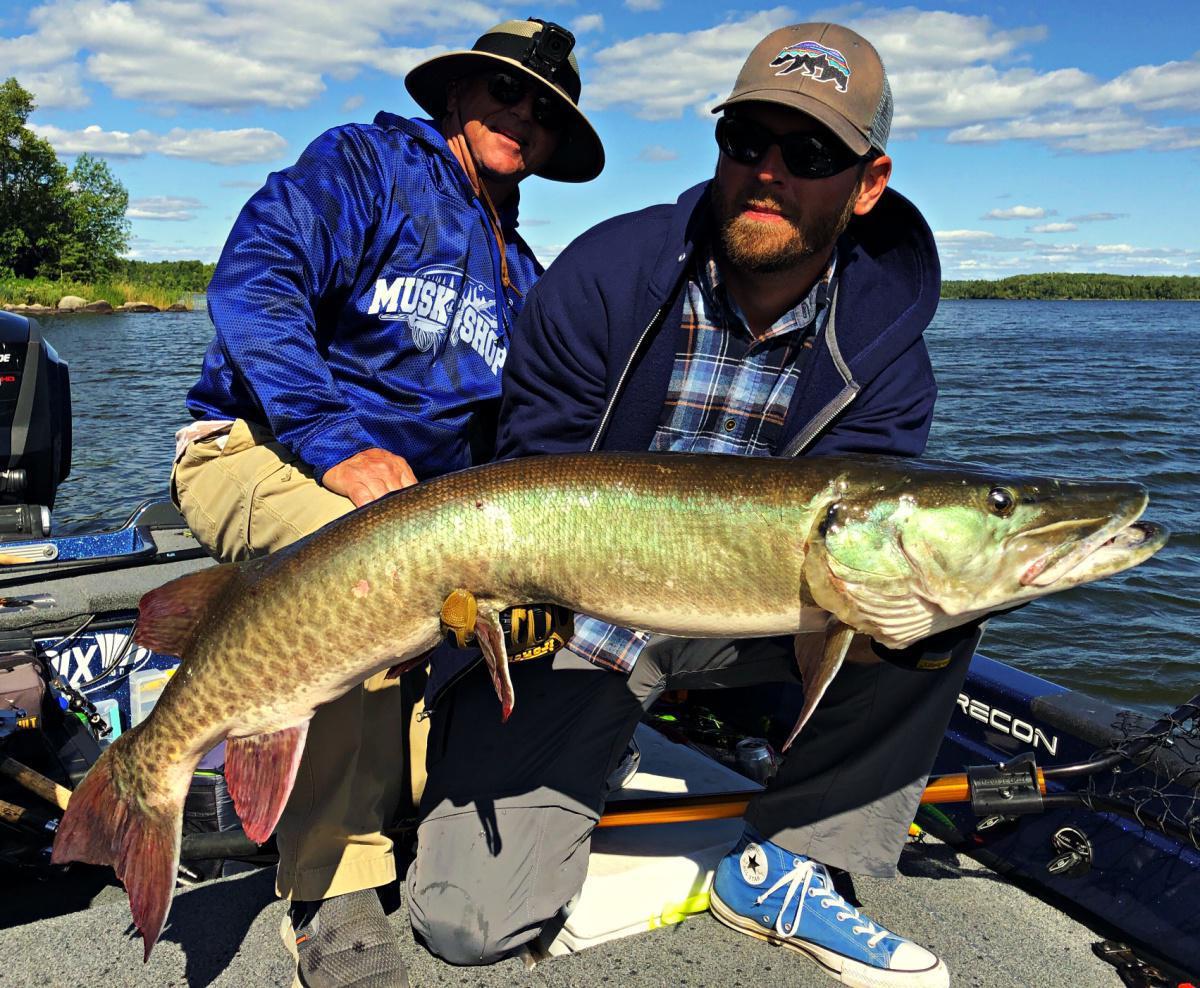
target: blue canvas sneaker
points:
(789, 899)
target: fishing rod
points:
(1007, 789)
(1013, 788)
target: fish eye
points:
(831, 519)
(1001, 501)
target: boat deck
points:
(225, 934)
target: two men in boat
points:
(775, 310)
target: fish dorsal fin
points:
(260, 771)
(168, 616)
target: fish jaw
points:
(1122, 544)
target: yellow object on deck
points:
(677, 912)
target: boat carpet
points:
(225, 933)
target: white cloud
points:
(143, 249)
(1172, 85)
(1018, 213)
(171, 208)
(223, 147)
(1110, 130)
(352, 103)
(56, 88)
(656, 152)
(547, 253)
(947, 70)
(978, 253)
(208, 53)
(1052, 228)
(643, 5)
(587, 23)
(1097, 217)
(659, 76)
(220, 147)
(980, 240)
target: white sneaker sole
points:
(846, 970)
(288, 936)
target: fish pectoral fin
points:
(817, 672)
(168, 616)
(260, 771)
(489, 634)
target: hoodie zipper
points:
(651, 326)
(844, 398)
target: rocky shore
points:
(69, 304)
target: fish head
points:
(907, 549)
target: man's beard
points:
(765, 248)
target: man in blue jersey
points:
(363, 307)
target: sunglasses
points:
(509, 90)
(806, 155)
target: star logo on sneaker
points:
(753, 863)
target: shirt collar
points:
(799, 317)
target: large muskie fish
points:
(699, 546)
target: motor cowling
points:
(35, 426)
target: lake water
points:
(1076, 389)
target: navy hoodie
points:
(600, 331)
(596, 341)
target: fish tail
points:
(110, 821)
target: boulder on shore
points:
(138, 307)
(101, 306)
(70, 303)
(30, 310)
(177, 307)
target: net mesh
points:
(1156, 772)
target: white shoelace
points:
(801, 878)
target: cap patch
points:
(815, 60)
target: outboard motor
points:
(35, 428)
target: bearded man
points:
(777, 310)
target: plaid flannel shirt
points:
(729, 393)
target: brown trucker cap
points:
(826, 71)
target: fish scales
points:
(696, 545)
(366, 591)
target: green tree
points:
(95, 228)
(32, 188)
(54, 222)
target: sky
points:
(1047, 136)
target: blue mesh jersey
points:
(358, 303)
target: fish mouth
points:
(1117, 546)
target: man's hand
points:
(368, 475)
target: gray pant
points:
(509, 808)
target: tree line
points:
(1065, 285)
(185, 276)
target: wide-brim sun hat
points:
(520, 47)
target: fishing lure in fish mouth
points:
(675, 544)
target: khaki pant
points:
(251, 497)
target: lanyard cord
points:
(457, 142)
